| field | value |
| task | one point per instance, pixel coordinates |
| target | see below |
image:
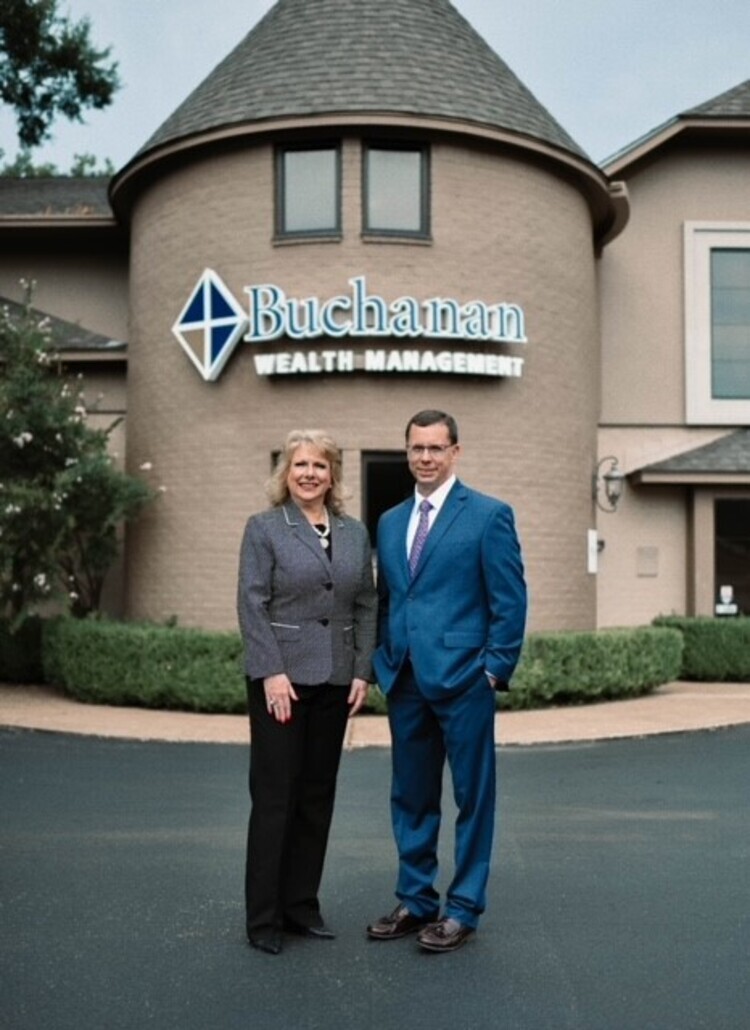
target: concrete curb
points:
(673, 708)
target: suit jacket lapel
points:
(397, 538)
(303, 531)
(340, 544)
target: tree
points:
(23, 167)
(62, 500)
(84, 166)
(49, 67)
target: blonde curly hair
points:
(277, 488)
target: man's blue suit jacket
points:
(464, 610)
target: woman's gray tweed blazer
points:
(301, 613)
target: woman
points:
(307, 611)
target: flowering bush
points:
(62, 500)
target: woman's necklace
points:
(323, 531)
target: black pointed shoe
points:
(269, 941)
(320, 932)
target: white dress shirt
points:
(436, 499)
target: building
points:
(675, 302)
(336, 229)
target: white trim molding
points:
(701, 408)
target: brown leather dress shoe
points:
(398, 924)
(445, 935)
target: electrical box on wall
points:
(593, 552)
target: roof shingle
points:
(62, 195)
(734, 103)
(313, 57)
(729, 454)
(64, 335)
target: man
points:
(451, 623)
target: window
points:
(717, 323)
(395, 191)
(308, 191)
(730, 323)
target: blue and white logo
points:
(210, 325)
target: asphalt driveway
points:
(619, 898)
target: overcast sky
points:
(607, 70)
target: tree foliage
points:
(49, 67)
(62, 500)
(84, 166)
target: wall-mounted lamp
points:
(610, 481)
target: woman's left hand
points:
(357, 695)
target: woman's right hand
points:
(279, 696)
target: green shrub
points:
(21, 651)
(376, 702)
(581, 667)
(715, 649)
(169, 667)
(572, 668)
(152, 666)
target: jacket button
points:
(328, 586)
(324, 622)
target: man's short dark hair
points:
(430, 417)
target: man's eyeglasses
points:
(433, 450)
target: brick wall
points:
(503, 230)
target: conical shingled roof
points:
(317, 57)
(734, 103)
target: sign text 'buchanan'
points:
(271, 314)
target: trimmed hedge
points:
(715, 649)
(574, 668)
(120, 663)
(169, 667)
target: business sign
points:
(212, 323)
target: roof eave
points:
(624, 160)
(115, 351)
(656, 477)
(607, 208)
(57, 221)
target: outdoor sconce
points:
(609, 481)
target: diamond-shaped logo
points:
(210, 325)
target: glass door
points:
(732, 556)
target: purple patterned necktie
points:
(423, 528)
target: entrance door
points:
(732, 562)
(386, 481)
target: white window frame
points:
(700, 238)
